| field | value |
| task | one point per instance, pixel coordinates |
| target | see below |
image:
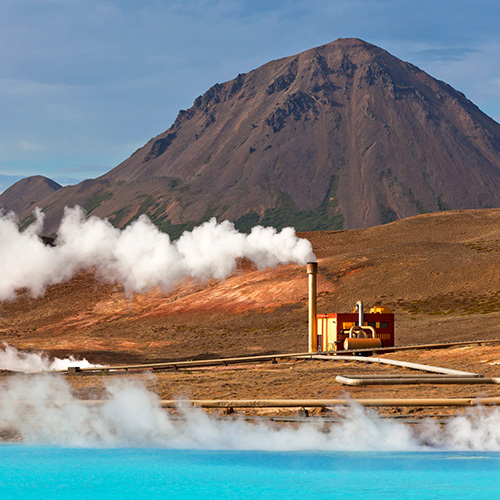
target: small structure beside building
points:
(345, 331)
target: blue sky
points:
(84, 83)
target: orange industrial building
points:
(345, 331)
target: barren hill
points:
(341, 136)
(439, 273)
(27, 193)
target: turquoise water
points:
(124, 473)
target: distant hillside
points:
(8, 180)
(341, 136)
(27, 193)
(424, 268)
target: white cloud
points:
(30, 146)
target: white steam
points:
(43, 409)
(140, 256)
(17, 361)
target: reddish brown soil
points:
(439, 273)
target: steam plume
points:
(140, 257)
(43, 409)
(13, 360)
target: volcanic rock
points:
(340, 136)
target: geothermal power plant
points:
(363, 337)
(347, 331)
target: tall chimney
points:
(312, 271)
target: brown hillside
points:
(341, 136)
(440, 274)
(27, 193)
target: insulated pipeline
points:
(439, 379)
(404, 364)
(330, 403)
(304, 403)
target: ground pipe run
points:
(330, 403)
(355, 380)
(304, 403)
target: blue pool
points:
(136, 473)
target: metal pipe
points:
(412, 376)
(326, 403)
(312, 271)
(304, 403)
(371, 329)
(404, 364)
(355, 331)
(361, 343)
(261, 358)
(439, 379)
(359, 308)
(187, 364)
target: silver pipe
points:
(432, 380)
(291, 403)
(312, 403)
(404, 364)
(359, 308)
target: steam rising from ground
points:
(43, 409)
(140, 257)
(17, 361)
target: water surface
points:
(135, 473)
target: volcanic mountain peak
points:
(340, 136)
(26, 193)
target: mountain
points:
(8, 180)
(340, 136)
(27, 193)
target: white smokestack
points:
(140, 257)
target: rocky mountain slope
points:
(341, 136)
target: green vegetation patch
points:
(442, 205)
(418, 203)
(25, 222)
(117, 217)
(245, 223)
(387, 215)
(155, 210)
(162, 222)
(94, 201)
(327, 216)
(175, 230)
(147, 205)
